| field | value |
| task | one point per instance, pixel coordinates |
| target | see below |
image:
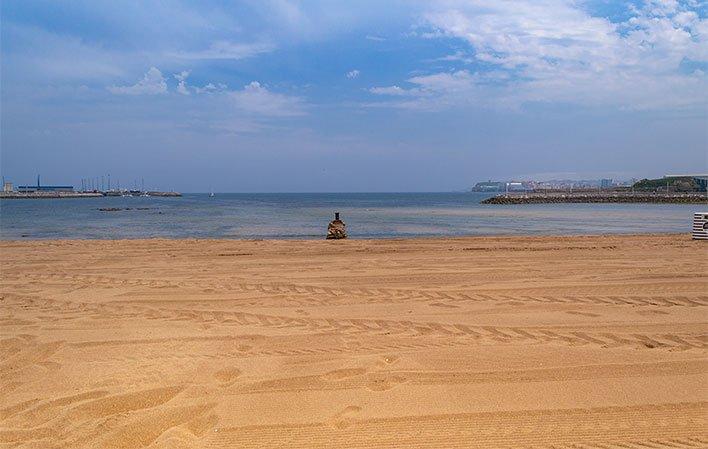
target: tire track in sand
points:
(340, 326)
(309, 294)
(679, 425)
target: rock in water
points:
(336, 229)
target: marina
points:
(88, 190)
(72, 194)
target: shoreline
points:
(354, 239)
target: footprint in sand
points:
(443, 304)
(588, 314)
(390, 359)
(345, 418)
(652, 312)
(340, 374)
(384, 381)
(227, 375)
(386, 360)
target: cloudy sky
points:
(279, 96)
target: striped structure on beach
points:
(700, 226)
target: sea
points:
(306, 215)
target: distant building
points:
(516, 186)
(498, 186)
(489, 186)
(7, 187)
(606, 183)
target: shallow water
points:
(301, 215)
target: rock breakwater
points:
(598, 197)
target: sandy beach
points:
(514, 342)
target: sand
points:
(546, 342)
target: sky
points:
(360, 96)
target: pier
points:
(48, 195)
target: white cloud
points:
(442, 90)
(555, 51)
(457, 56)
(152, 83)
(256, 99)
(392, 90)
(210, 88)
(182, 79)
(229, 50)
(353, 74)
(185, 89)
(375, 38)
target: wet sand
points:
(519, 342)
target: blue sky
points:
(280, 96)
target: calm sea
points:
(302, 215)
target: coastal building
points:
(510, 186)
(605, 183)
(516, 186)
(7, 187)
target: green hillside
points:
(679, 184)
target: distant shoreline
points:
(597, 197)
(62, 195)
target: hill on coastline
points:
(675, 183)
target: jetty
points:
(48, 195)
(598, 197)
